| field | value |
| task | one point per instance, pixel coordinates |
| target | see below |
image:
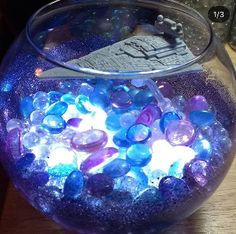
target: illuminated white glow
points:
(61, 155)
(164, 155)
(71, 112)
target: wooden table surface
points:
(217, 215)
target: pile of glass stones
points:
(113, 136)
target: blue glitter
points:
(26, 106)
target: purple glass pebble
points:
(195, 103)
(90, 140)
(121, 99)
(198, 171)
(166, 89)
(149, 114)
(98, 159)
(180, 132)
(74, 122)
(100, 185)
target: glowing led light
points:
(38, 72)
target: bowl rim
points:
(89, 72)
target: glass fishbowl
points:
(117, 116)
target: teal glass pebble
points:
(167, 118)
(86, 89)
(202, 118)
(99, 98)
(61, 170)
(54, 124)
(176, 170)
(143, 97)
(54, 96)
(139, 155)
(37, 117)
(138, 133)
(41, 103)
(138, 174)
(74, 184)
(203, 149)
(113, 122)
(117, 168)
(120, 138)
(57, 108)
(68, 98)
(83, 104)
(155, 177)
(26, 106)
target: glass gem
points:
(13, 123)
(41, 151)
(83, 104)
(99, 98)
(203, 149)
(179, 103)
(198, 171)
(73, 185)
(26, 106)
(41, 103)
(173, 188)
(180, 132)
(57, 108)
(86, 89)
(139, 155)
(176, 169)
(143, 97)
(155, 177)
(54, 124)
(149, 114)
(14, 143)
(167, 118)
(68, 98)
(196, 103)
(138, 82)
(36, 117)
(62, 170)
(166, 89)
(120, 138)
(74, 122)
(117, 168)
(54, 96)
(138, 174)
(202, 118)
(30, 140)
(90, 140)
(100, 185)
(120, 99)
(104, 85)
(138, 133)
(23, 163)
(98, 159)
(40, 94)
(113, 122)
(127, 119)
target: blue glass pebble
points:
(179, 102)
(83, 104)
(127, 119)
(99, 98)
(74, 185)
(120, 99)
(117, 168)
(203, 149)
(176, 170)
(143, 97)
(86, 89)
(24, 163)
(202, 118)
(139, 155)
(26, 106)
(54, 124)
(120, 138)
(40, 94)
(54, 96)
(36, 117)
(57, 108)
(139, 133)
(68, 98)
(132, 93)
(41, 103)
(30, 139)
(167, 118)
(113, 122)
(139, 175)
(104, 85)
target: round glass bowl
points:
(117, 116)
